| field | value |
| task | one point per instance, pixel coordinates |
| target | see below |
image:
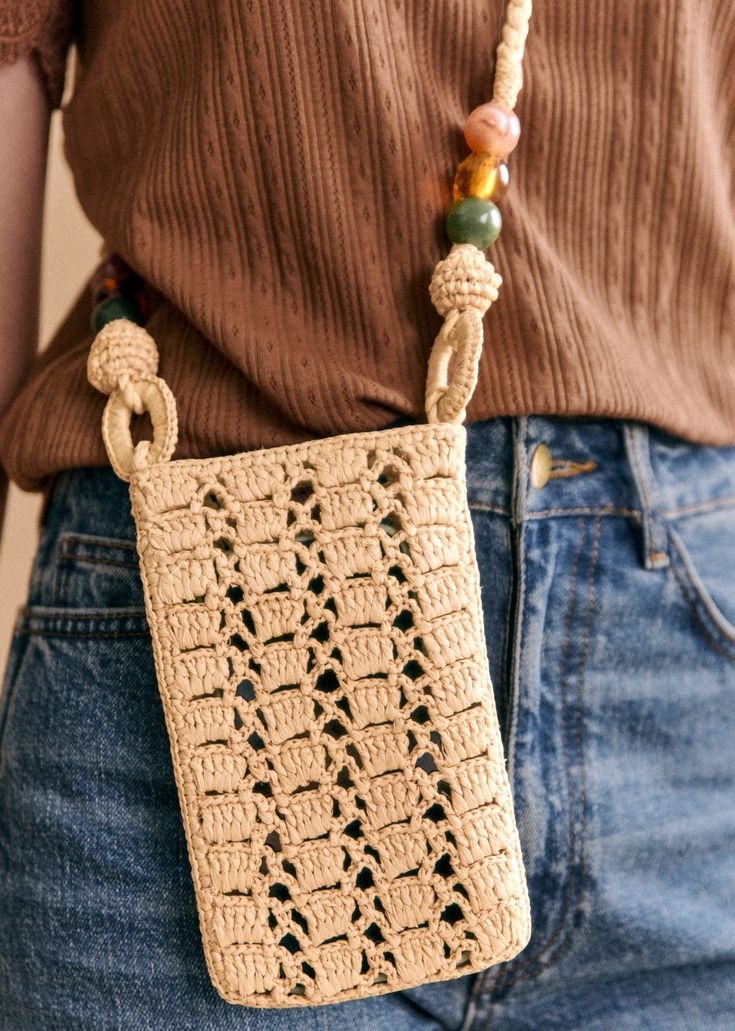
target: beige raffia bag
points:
(319, 644)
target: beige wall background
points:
(70, 252)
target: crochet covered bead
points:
(121, 348)
(471, 220)
(493, 129)
(464, 279)
(481, 175)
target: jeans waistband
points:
(526, 467)
(543, 466)
(597, 464)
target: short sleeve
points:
(40, 29)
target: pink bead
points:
(492, 129)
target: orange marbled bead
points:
(492, 129)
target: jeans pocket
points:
(703, 561)
(96, 573)
(62, 659)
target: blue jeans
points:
(609, 598)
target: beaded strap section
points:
(465, 283)
(123, 359)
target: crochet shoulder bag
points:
(319, 644)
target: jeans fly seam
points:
(471, 1010)
(513, 672)
(568, 938)
(506, 667)
(521, 971)
(518, 506)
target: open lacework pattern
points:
(316, 618)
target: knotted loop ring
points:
(122, 362)
(156, 399)
(461, 334)
(463, 287)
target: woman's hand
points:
(24, 125)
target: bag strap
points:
(123, 360)
(465, 283)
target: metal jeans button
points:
(540, 466)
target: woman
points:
(278, 178)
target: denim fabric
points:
(609, 597)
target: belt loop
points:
(655, 537)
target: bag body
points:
(319, 645)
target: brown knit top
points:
(280, 173)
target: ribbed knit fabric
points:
(281, 171)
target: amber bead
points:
(471, 220)
(481, 175)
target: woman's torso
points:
(281, 177)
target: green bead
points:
(119, 307)
(472, 220)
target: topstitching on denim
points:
(572, 667)
(59, 622)
(82, 547)
(716, 628)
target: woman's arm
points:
(24, 124)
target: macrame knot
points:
(464, 279)
(123, 362)
(121, 353)
(463, 286)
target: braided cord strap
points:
(465, 283)
(509, 55)
(123, 360)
